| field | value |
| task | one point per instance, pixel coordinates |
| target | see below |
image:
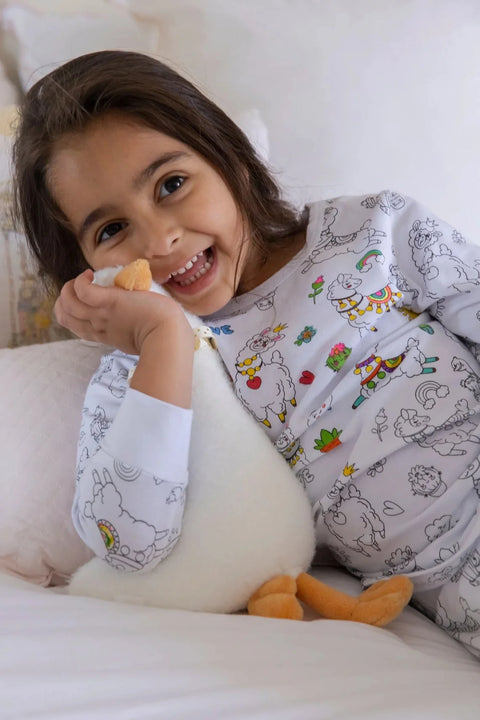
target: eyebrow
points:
(137, 184)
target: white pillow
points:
(36, 42)
(42, 389)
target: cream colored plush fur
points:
(247, 518)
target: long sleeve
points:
(132, 470)
(437, 269)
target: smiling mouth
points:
(194, 269)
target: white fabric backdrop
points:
(358, 95)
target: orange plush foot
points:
(378, 605)
(276, 599)
(384, 601)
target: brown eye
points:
(171, 185)
(110, 231)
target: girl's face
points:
(131, 192)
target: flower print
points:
(381, 424)
(306, 335)
(317, 287)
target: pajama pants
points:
(455, 606)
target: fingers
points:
(81, 305)
(111, 315)
(79, 296)
(87, 292)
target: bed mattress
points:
(64, 657)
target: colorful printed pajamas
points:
(358, 359)
(349, 358)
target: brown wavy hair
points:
(137, 86)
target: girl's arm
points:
(438, 267)
(132, 470)
(133, 448)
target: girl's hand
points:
(138, 323)
(119, 318)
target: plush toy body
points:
(248, 535)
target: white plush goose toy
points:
(248, 535)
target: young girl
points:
(349, 330)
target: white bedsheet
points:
(72, 658)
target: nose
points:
(158, 236)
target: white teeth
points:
(188, 266)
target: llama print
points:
(341, 481)
(354, 521)
(120, 522)
(409, 294)
(401, 561)
(457, 431)
(360, 310)
(470, 623)
(363, 238)
(471, 381)
(291, 449)
(450, 561)
(436, 262)
(264, 385)
(376, 373)
(439, 527)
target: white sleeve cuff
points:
(151, 434)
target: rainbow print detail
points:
(370, 255)
(381, 296)
(108, 533)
